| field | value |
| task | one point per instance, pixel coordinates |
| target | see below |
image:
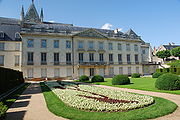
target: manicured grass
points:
(145, 83)
(161, 107)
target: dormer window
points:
(17, 35)
(1, 34)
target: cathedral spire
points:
(22, 14)
(32, 1)
(41, 15)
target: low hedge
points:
(135, 75)
(156, 74)
(83, 78)
(174, 70)
(120, 80)
(3, 109)
(97, 78)
(168, 81)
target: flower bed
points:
(93, 98)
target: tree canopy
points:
(176, 52)
(163, 54)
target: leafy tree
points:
(176, 52)
(163, 54)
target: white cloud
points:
(107, 26)
(52, 21)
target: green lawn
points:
(161, 107)
(145, 83)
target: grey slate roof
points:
(169, 47)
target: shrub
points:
(135, 75)
(168, 81)
(120, 80)
(83, 78)
(3, 109)
(97, 78)
(156, 74)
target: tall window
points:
(17, 58)
(128, 58)
(2, 46)
(91, 45)
(101, 57)
(56, 58)
(110, 45)
(91, 57)
(17, 35)
(101, 46)
(81, 56)
(128, 48)
(68, 58)
(136, 48)
(30, 58)
(80, 45)
(119, 46)
(1, 60)
(30, 43)
(17, 46)
(111, 71)
(56, 43)
(43, 58)
(68, 44)
(1, 34)
(136, 58)
(43, 43)
(120, 58)
(143, 51)
(110, 58)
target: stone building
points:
(64, 50)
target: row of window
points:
(16, 58)
(17, 46)
(17, 35)
(30, 58)
(30, 44)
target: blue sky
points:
(156, 21)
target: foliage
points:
(175, 63)
(174, 70)
(135, 75)
(168, 81)
(156, 74)
(97, 78)
(55, 105)
(163, 54)
(176, 52)
(83, 78)
(120, 80)
(9, 79)
(3, 109)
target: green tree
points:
(163, 54)
(176, 52)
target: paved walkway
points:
(175, 98)
(31, 106)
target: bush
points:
(156, 74)
(135, 75)
(168, 81)
(83, 78)
(120, 80)
(3, 109)
(97, 78)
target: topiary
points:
(83, 78)
(3, 109)
(97, 78)
(168, 81)
(135, 75)
(120, 80)
(156, 74)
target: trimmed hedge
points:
(3, 109)
(135, 75)
(9, 79)
(83, 78)
(97, 78)
(174, 70)
(168, 81)
(120, 80)
(156, 74)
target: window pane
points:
(1, 59)
(30, 43)
(56, 44)
(100, 45)
(80, 44)
(119, 46)
(43, 44)
(110, 46)
(68, 44)
(91, 45)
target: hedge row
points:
(9, 79)
(173, 70)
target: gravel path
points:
(31, 105)
(175, 98)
